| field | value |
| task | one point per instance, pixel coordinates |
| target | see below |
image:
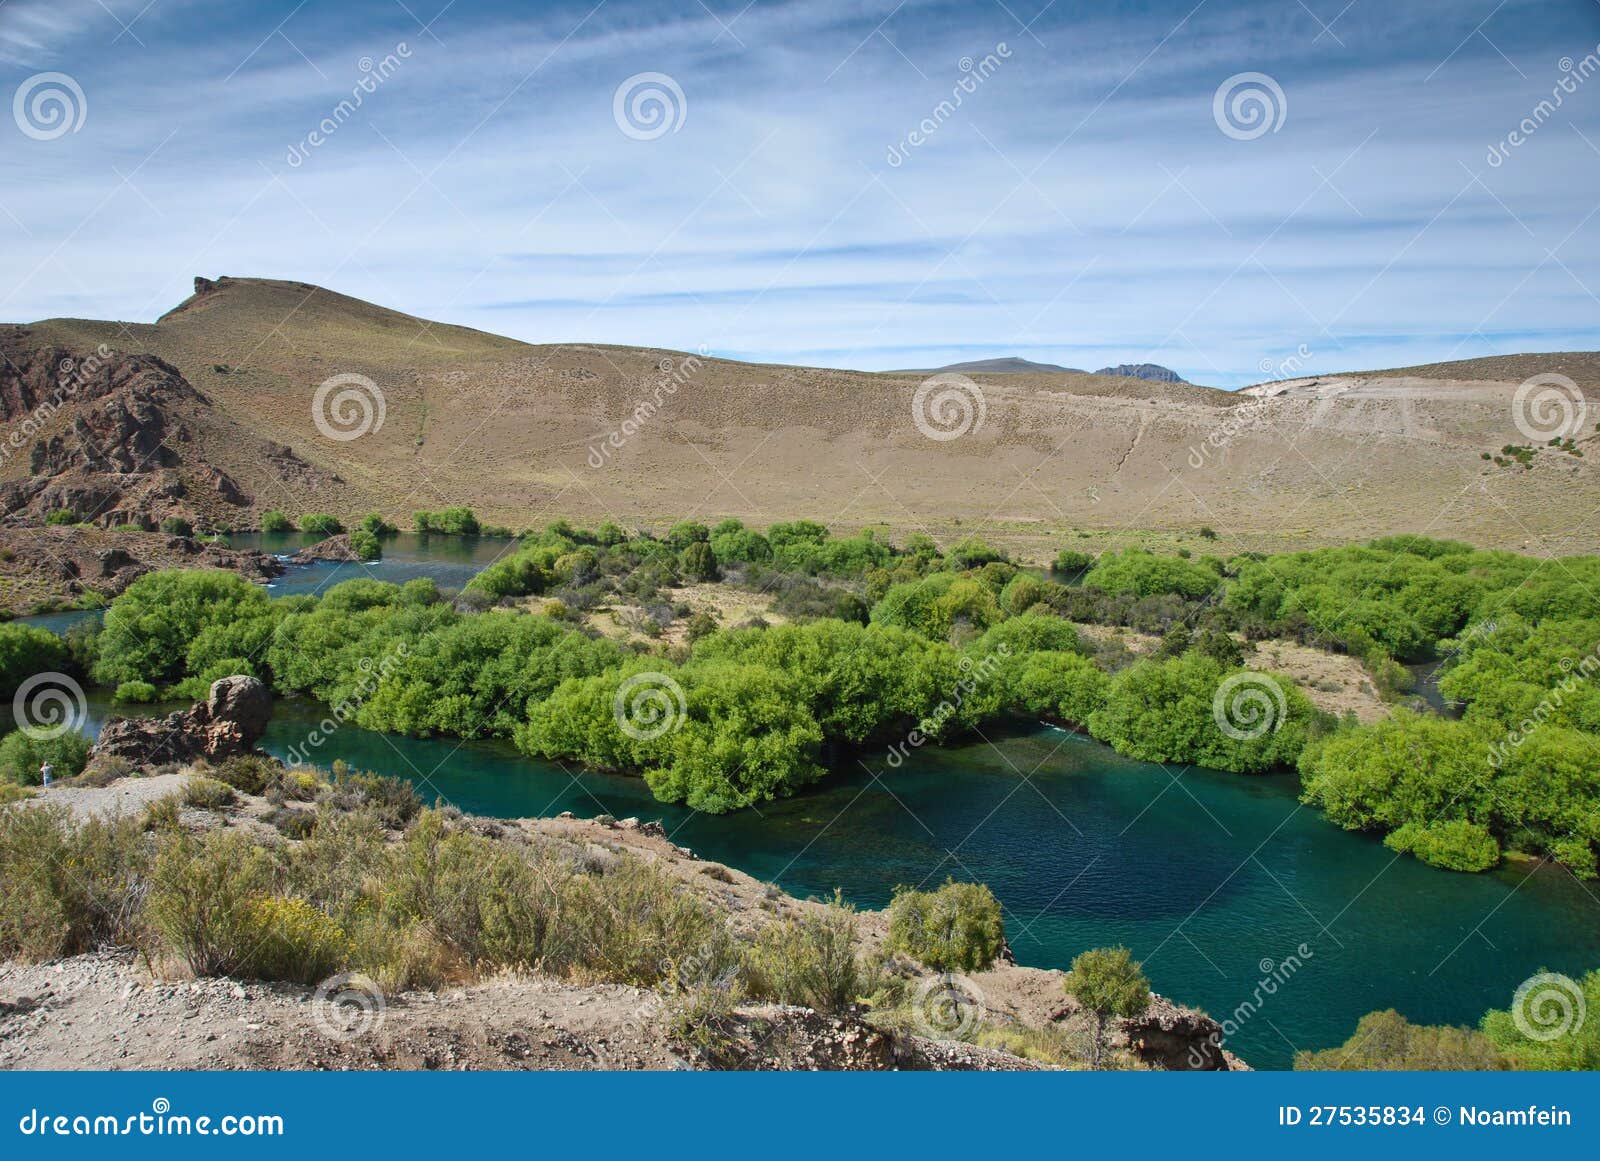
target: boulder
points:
(228, 723)
(243, 701)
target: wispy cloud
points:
(1079, 206)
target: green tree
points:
(1071, 564)
(276, 520)
(169, 624)
(699, 561)
(687, 532)
(1108, 983)
(25, 651)
(365, 544)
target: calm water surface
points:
(1212, 879)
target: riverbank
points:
(111, 1009)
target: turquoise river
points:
(1213, 880)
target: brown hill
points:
(524, 433)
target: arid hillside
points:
(527, 433)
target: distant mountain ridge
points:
(1014, 365)
(1011, 365)
(1154, 372)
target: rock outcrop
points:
(53, 566)
(334, 548)
(105, 436)
(1179, 1040)
(1152, 372)
(228, 723)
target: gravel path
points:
(126, 796)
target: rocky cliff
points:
(105, 437)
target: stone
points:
(228, 723)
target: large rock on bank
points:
(228, 723)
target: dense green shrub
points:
(1063, 686)
(448, 522)
(276, 520)
(365, 544)
(1107, 984)
(62, 516)
(1456, 844)
(168, 624)
(1455, 792)
(177, 526)
(135, 693)
(1560, 1012)
(1168, 711)
(321, 524)
(958, 928)
(938, 605)
(1144, 574)
(809, 961)
(1072, 564)
(700, 562)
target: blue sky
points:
(1083, 205)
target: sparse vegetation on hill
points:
(1409, 440)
